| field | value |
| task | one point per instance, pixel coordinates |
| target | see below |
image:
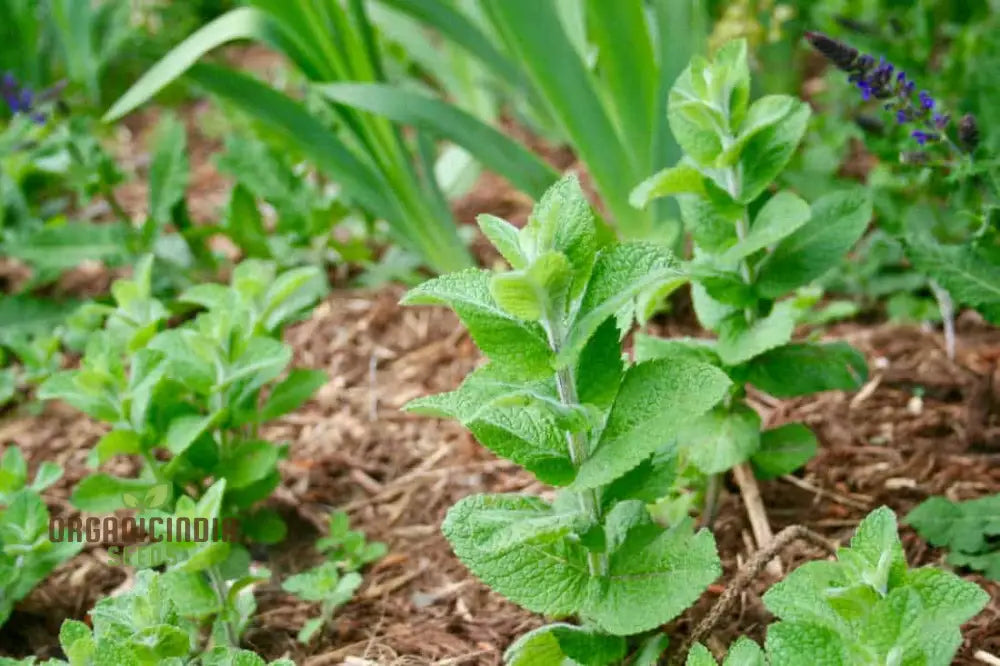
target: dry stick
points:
(750, 491)
(986, 658)
(746, 575)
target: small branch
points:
(986, 658)
(746, 575)
(762, 533)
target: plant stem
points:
(597, 563)
(219, 586)
(946, 306)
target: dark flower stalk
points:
(883, 82)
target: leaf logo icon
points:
(154, 498)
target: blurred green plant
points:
(199, 390)
(382, 171)
(592, 73)
(27, 555)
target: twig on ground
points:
(829, 494)
(742, 580)
(762, 533)
(986, 658)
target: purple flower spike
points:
(926, 100)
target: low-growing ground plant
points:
(865, 609)
(558, 399)
(27, 555)
(967, 529)
(333, 583)
(189, 400)
(755, 254)
(148, 625)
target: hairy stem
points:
(219, 586)
(745, 577)
(576, 442)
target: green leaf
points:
(969, 276)
(515, 344)
(58, 247)
(554, 643)
(962, 526)
(700, 656)
(647, 347)
(620, 274)
(504, 237)
(265, 526)
(652, 574)
(494, 149)
(721, 439)
(184, 430)
(600, 368)
(794, 643)
(118, 442)
(783, 450)
(241, 23)
(765, 113)
(291, 393)
(538, 40)
(291, 293)
(781, 215)
(48, 473)
(768, 151)
(744, 652)
(529, 435)
(739, 342)
(804, 368)
(681, 179)
(168, 168)
(838, 220)
(262, 360)
(655, 399)
(102, 493)
(248, 462)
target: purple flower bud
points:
(941, 120)
(901, 116)
(8, 82)
(39, 118)
(923, 137)
(926, 101)
(901, 77)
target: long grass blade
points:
(243, 23)
(494, 149)
(535, 32)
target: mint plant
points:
(866, 609)
(189, 400)
(755, 254)
(146, 626)
(333, 582)
(27, 555)
(967, 529)
(557, 398)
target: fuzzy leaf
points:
(804, 368)
(565, 644)
(962, 526)
(620, 274)
(783, 450)
(739, 342)
(721, 439)
(838, 220)
(655, 398)
(767, 152)
(505, 339)
(504, 237)
(781, 216)
(681, 179)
